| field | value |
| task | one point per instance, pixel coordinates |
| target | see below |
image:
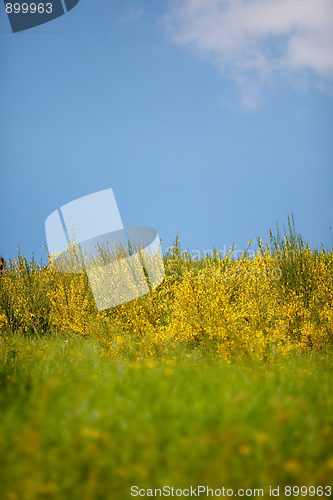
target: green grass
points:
(75, 425)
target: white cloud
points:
(258, 42)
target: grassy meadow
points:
(222, 376)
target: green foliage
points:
(296, 261)
(24, 296)
(74, 425)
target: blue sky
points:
(210, 119)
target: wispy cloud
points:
(258, 42)
(132, 14)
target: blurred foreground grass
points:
(75, 425)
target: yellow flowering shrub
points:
(276, 300)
